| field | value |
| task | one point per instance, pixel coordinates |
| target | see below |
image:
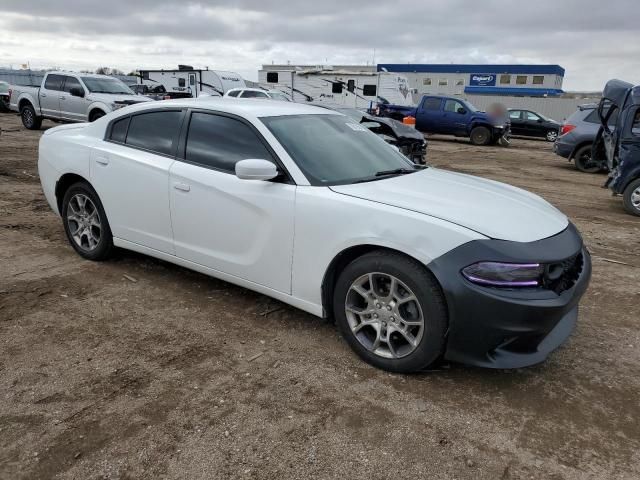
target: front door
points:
(533, 124)
(239, 227)
(454, 117)
(71, 107)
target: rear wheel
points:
(391, 311)
(584, 162)
(631, 198)
(480, 136)
(29, 118)
(552, 135)
(85, 222)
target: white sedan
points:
(307, 206)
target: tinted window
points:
(431, 104)
(514, 114)
(452, 106)
(154, 131)
(220, 142)
(594, 118)
(369, 90)
(234, 93)
(532, 117)
(252, 94)
(272, 77)
(70, 83)
(54, 82)
(336, 87)
(119, 130)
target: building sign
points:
(482, 80)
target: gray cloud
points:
(576, 34)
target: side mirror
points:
(256, 169)
(76, 92)
(462, 111)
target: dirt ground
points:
(105, 377)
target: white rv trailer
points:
(351, 88)
(193, 82)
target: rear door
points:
(429, 115)
(130, 172)
(239, 227)
(50, 95)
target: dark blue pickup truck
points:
(452, 116)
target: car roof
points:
(250, 89)
(86, 75)
(248, 107)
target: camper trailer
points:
(187, 81)
(341, 86)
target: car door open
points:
(240, 227)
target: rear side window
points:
(219, 142)
(54, 82)
(154, 131)
(431, 104)
(119, 130)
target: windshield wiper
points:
(395, 171)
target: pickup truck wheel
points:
(480, 136)
(631, 198)
(96, 114)
(29, 118)
(583, 162)
(391, 311)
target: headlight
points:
(498, 274)
(117, 105)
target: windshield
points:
(106, 85)
(351, 112)
(279, 96)
(468, 106)
(333, 149)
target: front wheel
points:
(584, 162)
(95, 115)
(631, 198)
(391, 311)
(480, 136)
(552, 135)
(85, 222)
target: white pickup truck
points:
(70, 97)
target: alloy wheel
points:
(27, 117)
(552, 135)
(384, 315)
(635, 199)
(84, 223)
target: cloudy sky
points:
(593, 40)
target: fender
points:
(98, 105)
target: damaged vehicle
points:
(408, 140)
(621, 146)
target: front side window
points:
(54, 82)
(220, 142)
(106, 85)
(70, 83)
(253, 94)
(532, 117)
(452, 106)
(514, 114)
(154, 131)
(334, 149)
(521, 80)
(431, 104)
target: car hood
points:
(111, 98)
(494, 209)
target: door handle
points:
(182, 187)
(102, 160)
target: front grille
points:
(561, 276)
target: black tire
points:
(4, 105)
(104, 247)
(426, 290)
(480, 136)
(582, 160)
(631, 197)
(29, 118)
(95, 115)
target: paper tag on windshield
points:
(356, 127)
